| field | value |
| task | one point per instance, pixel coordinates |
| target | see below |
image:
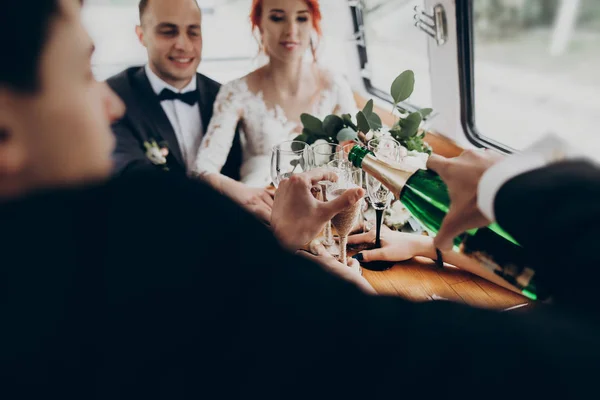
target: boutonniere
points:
(155, 153)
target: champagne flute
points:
(289, 158)
(388, 149)
(323, 154)
(344, 151)
(348, 178)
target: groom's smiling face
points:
(171, 32)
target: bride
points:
(268, 102)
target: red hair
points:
(313, 7)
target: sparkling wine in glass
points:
(348, 178)
(323, 154)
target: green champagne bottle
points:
(425, 195)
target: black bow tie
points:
(190, 98)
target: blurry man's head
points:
(54, 117)
(170, 31)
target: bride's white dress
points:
(262, 127)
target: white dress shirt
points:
(547, 150)
(184, 119)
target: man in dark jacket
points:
(127, 289)
(168, 102)
(170, 105)
(547, 198)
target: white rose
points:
(384, 131)
(416, 159)
(156, 156)
(403, 152)
(397, 215)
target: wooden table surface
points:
(420, 280)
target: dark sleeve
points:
(233, 164)
(201, 298)
(554, 212)
(128, 155)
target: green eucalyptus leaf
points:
(374, 121)
(417, 144)
(346, 134)
(332, 125)
(403, 134)
(298, 146)
(425, 112)
(347, 118)
(403, 86)
(396, 131)
(410, 144)
(368, 109)
(402, 109)
(302, 138)
(362, 122)
(410, 125)
(311, 123)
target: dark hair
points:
(24, 27)
(142, 6)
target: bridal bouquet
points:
(367, 125)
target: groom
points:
(169, 105)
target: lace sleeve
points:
(218, 140)
(345, 97)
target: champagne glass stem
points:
(343, 252)
(379, 218)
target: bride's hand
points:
(395, 246)
(319, 255)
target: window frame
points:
(358, 24)
(466, 70)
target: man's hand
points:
(297, 216)
(256, 200)
(462, 175)
(349, 272)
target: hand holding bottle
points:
(462, 175)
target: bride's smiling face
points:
(286, 27)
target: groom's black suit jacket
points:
(145, 120)
(156, 287)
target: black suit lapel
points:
(206, 101)
(153, 112)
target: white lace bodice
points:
(262, 127)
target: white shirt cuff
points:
(543, 152)
(495, 177)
